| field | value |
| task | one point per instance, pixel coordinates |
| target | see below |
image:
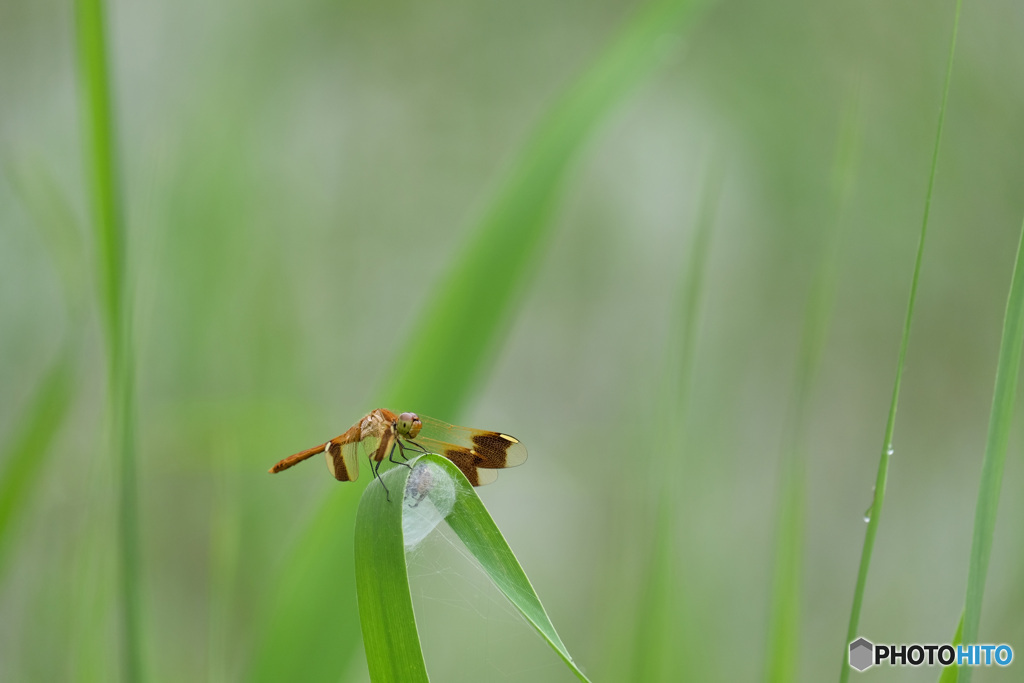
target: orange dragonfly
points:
(476, 452)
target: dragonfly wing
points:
(489, 450)
(342, 455)
(484, 477)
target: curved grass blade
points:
(874, 514)
(312, 628)
(108, 223)
(474, 526)
(28, 451)
(441, 363)
(489, 276)
(1000, 420)
(25, 456)
(392, 643)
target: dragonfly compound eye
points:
(409, 425)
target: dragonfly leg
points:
(420, 448)
(401, 449)
(376, 475)
(401, 452)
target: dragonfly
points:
(478, 453)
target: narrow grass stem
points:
(108, 223)
(1007, 370)
(875, 511)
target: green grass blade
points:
(437, 366)
(783, 644)
(1000, 420)
(690, 295)
(311, 628)
(481, 536)
(654, 635)
(784, 628)
(441, 363)
(389, 633)
(875, 510)
(950, 673)
(24, 457)
(390, 637)
(30, 448)
(107, 220)
(104, 194)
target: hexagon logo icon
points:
(860, 654)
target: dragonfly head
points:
(409, 425)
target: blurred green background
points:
(300, 178)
